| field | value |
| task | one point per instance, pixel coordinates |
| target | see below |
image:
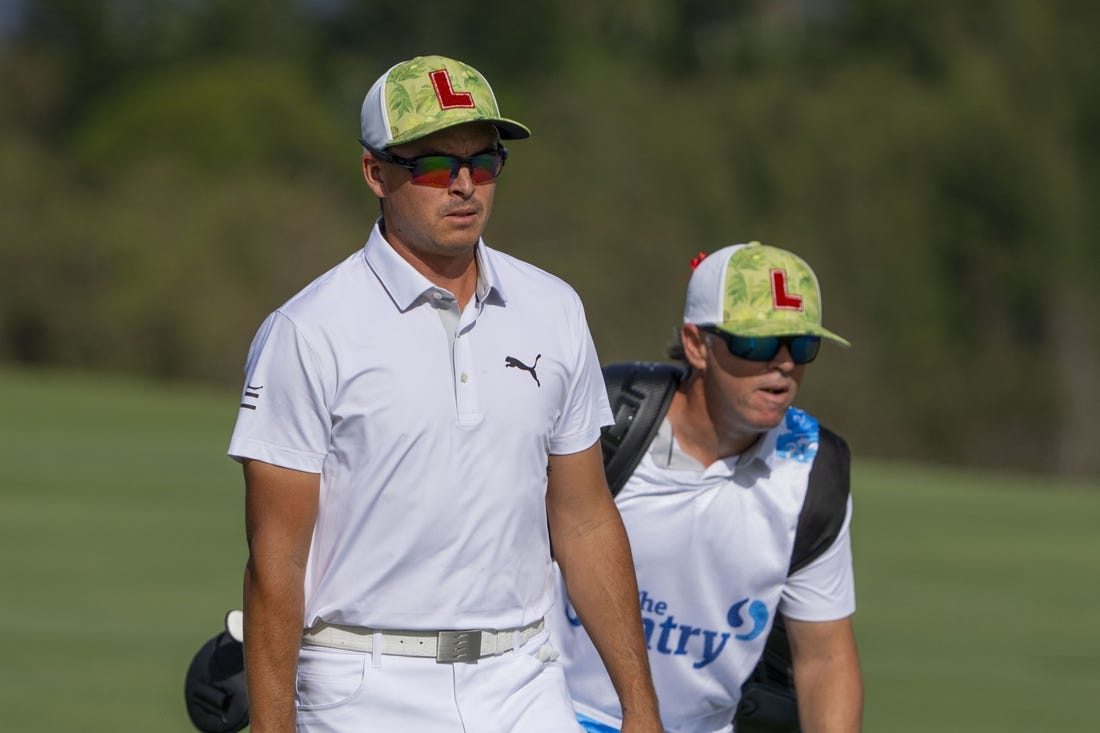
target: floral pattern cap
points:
(427, 94)
(756, 290)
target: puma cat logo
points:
(511, 361)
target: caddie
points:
(712, 510)
(416, 426)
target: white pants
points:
(356, 692)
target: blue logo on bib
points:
(758, 612)
(665, 634)
(800, 440)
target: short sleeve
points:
(824, 590)
(283, 417)
(586, 408)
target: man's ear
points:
(695, 346)
(372, 174)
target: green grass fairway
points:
(122, 546)
(978, 597)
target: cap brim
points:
(508, 129)
(511, 130)
(778, 328)
(825, 333)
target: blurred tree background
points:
(171, 171)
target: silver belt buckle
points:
(458, 646)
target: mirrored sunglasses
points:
(803, 349)
(440, 171)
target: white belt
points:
(445, 646)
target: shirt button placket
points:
(466, 396)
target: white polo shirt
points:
(712, 545)
(432, 447)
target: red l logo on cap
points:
(780, 297)
(445, 93)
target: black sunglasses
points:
(803, 349)
(440, 171)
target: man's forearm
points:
(831, 701)
(827, 676)
(280, 513)
(599, 575)
(593, 552)
(273, 609)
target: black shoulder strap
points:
(826, 500)
(640, 393)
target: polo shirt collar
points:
(666, 453)
(406, 286)
(490, 289)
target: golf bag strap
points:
(639, 393)
(826, 501)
